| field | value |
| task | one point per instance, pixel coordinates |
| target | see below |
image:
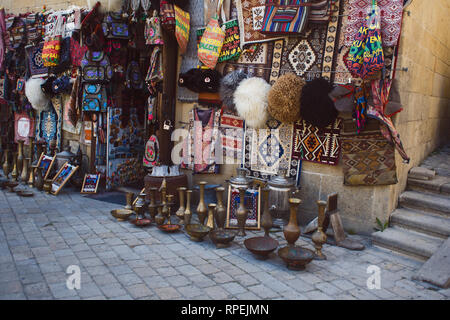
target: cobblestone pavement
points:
(42, 235)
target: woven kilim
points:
(318, 145)
(368, 160)
(232, 134)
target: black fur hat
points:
(200, 80)
(316, 107)
(229, 84)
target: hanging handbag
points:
(152, 30)
(52, 45)
(17, 32)
(211, 41)
(134, 77)
(95, 67)
(182, 19)
(151, 156)
(231, 48)
(94, 97)
(285, 16)
(167, 13)
(114, 26)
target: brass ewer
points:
(38, 179)
(159, 218)
(210, 221)
(292, 230)
(266, 219)
(139, 206)
(6, 164)
(319, 237)
(241, 212)
(182, 208)
(201, 208)
(170, 204)
(220, 214)
(187, 212)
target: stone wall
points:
(423, 124)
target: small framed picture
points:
(90, 183)
(46, 163)
(61, 178)
(252, 201)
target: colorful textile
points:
(368, 160)
(35, 62)
(51, 51)
(3, 37)
(167, 13)
(182, 19)
(232, 134)
(211, 43)
(285, 17)
(251, 17)
(361, 108)
(231, 48)
(152, 31)
(23, 127)
(391, 19)
(317, 145)
(49, 127)
(151, 155)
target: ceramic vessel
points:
(281, 189)
(152, 205)
(182, 208)
(266, 219)
(6, 164)
(210, 221)
(20, 157)
(129, 199)
(319, 237)
(241, 213)
(201, 208)
(220, 214)
(38, 178)
(187, 211)
(24, 175)
(292, 230)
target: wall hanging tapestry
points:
(368, 160)
(68, 123)
(391, 19)
(317, 145)
(232, 134)
(287, 17)
(23, 127)
(251, 17)
(34, 57)
(252, 201)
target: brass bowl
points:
(11, 185)
(169, 227)
(222, 238)
(25, 193)
(121, 214)
(143, 222)
(296, 258)
(197, 231)
(261, 246)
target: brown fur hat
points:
(284, 98)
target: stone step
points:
(417, 245)
(431, 203)
(437, 226)
(438, 185)
(421, 173)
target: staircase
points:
(420, 226)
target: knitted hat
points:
(284, 98)
(250, 99)
(316, 107)
(228, 85)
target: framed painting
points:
(61, 178)
(252, 201)
(46, 163)
(90, 183)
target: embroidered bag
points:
(211, 41)
(231, 48)
(114, 26)
(96, 67)
(34, 59)
(16, 31)
(155, 72)
(285, 17)
(94, 97)
(182, 19)
(152, 30)
(134, 77)
(77, 52)
(167, 13)
(52, 45)
(151, 155)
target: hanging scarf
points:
(361, 108)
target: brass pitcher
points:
(220, 214)
(187, 211)
(210, 221)
(201, 208)
(241, 213)
(266, 219)
(6, 164)
(292, 230)
(182, 208)
(319, 237)
(38, 178)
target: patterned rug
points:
(391, 19)
(49, 128)
(34, 58)
(368, 160)
(232, 132)
(317, 145)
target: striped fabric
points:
(289, 16)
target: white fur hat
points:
(39, 101)
(250, 99)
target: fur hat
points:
(284, 98)
(343, 98)
(199, 80)
(316, 107)
(228, 85)
(39, 101)
(250, 99)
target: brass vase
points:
(165, 208)
(266, 219)
(31, 149)
(20, 157)
(159, 218)
(170, 205)
(38, 178)
(292, 230)
(182, 208)
(129, 198)
(319, 237)
(139, 206)
(6, 164)
(220, 214)
(241, 213)
(187, 211)
(210, 221)
(31, 175)
(152, 205)
(15, 173)
(24, 175)
(201, 208)
(48, 185)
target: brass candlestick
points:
(319, 237)
(159, 218)
(31, 175)
(182, 208)
(241, 213)
(164, 209)
(24, 175)
(187, 211)
(201, 208)
(210, 221)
